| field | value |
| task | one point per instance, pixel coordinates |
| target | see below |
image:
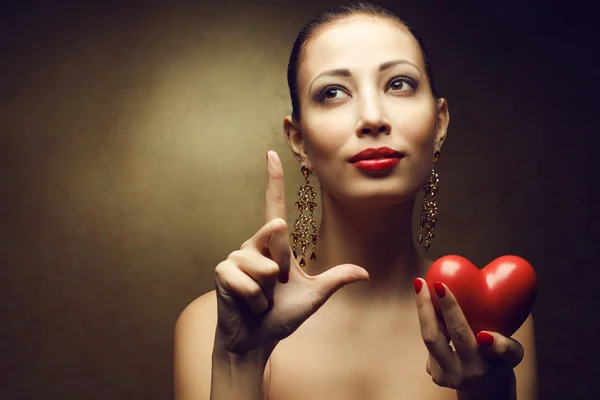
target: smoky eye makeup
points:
(394, 85)
(398, 82)
(330, 92)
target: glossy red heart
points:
(496, 298)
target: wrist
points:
(256, 357)
(238, 375)
(494, 388)
(222, 354)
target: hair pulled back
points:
(309, 31)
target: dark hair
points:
(309, 30)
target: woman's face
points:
(362, 84)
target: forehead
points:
(359, 43)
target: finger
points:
(438, 376)
(275, 199)
(457, 326)
(434, 338)
(272, 241)
(262, 270)
(493, 344)
(234, 282)
(330, 281)
(279, 248)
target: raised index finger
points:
(275, 200)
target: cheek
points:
(417, 128)
(326, 135)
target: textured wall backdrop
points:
(132, 142)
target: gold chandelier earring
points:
(430, 209)
(305, 226)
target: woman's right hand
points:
(263, 295)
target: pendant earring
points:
(305, 226)
(430, 209)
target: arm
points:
(526, 371)
(237, 377)
(201, 371)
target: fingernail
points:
(267, 155)
(439, 289)
(418, 285)
(485, 340)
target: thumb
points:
(337, 277)
(493, 344)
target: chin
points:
(387, 190)
(378, 194)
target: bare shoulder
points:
(197, 321)
(199, 312)
(193, 345)
(194, 338)
(526, 371)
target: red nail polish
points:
(439, 289)
(485, 340)
(418, 285)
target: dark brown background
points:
(132, 137)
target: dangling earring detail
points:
(430, 209)
(305, 223)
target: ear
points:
(443, 119)
(293, 135)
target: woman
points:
(367, 121)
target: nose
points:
(372, 119)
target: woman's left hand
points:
(476, 365)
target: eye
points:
(402, 84)
(331, 93)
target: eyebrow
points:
(346, 72)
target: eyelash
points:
(404, 79)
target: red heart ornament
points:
(497, 298)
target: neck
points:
(378, 239)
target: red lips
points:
(374, 154)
